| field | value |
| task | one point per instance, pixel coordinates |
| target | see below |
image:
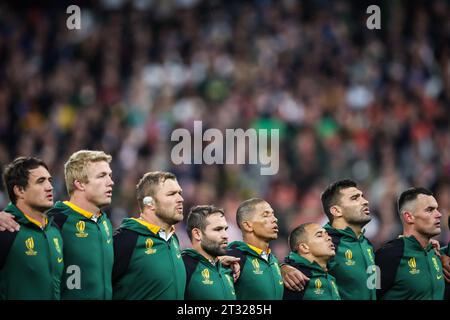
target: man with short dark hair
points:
(311, 250)
(348, 212)
(31, 259)
(260, 277)
(409, 266)
(206, 278)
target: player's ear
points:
(196, 234)
(303, 248)
(18, 191)
(79, 185)
(336, 211)
(408, 217)
(247, 226)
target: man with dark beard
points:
(147, 256)
(353, 265)
(206, 278)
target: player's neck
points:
(256, 242)
(31, 212)
(153, 219)
(342, 224)
(197, 247)
(80, 201)
(322, 262)
(422, 239)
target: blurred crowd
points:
(371, 105)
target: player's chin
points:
(274, 236)
(436, 231)
(178, 217)
(45, 205)
(104, 202)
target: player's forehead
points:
(314, 229)
(170, 185)
(96, 167)
(424, 201)
(263, 207)
(216, 219)
(350, 191)
(37, 173)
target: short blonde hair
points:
(148, 185)
(76, 167)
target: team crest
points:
(205, 275)
(349, 258)
(413, 266)
(318, 285)
(81, 226)
(29, 243)
(149, 246)
(256, 268)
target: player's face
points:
(427, 218)
(169, 202)
(264, 222)
(215, 237)
(99, 186)
(38, 194)
(355, 208)
(319, 242)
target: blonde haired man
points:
(87, 231)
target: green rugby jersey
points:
(205, 280)
(260, 279)
(31, 260)
(321, 285)
(146, 266)
(88, 252)
(353, 264)
(409, 271)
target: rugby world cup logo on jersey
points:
(318, 285)
(29, 244)
(413, 266)
(256, 267)
(149, 246)
(205, 275)
(81, 226)
(349, 258)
